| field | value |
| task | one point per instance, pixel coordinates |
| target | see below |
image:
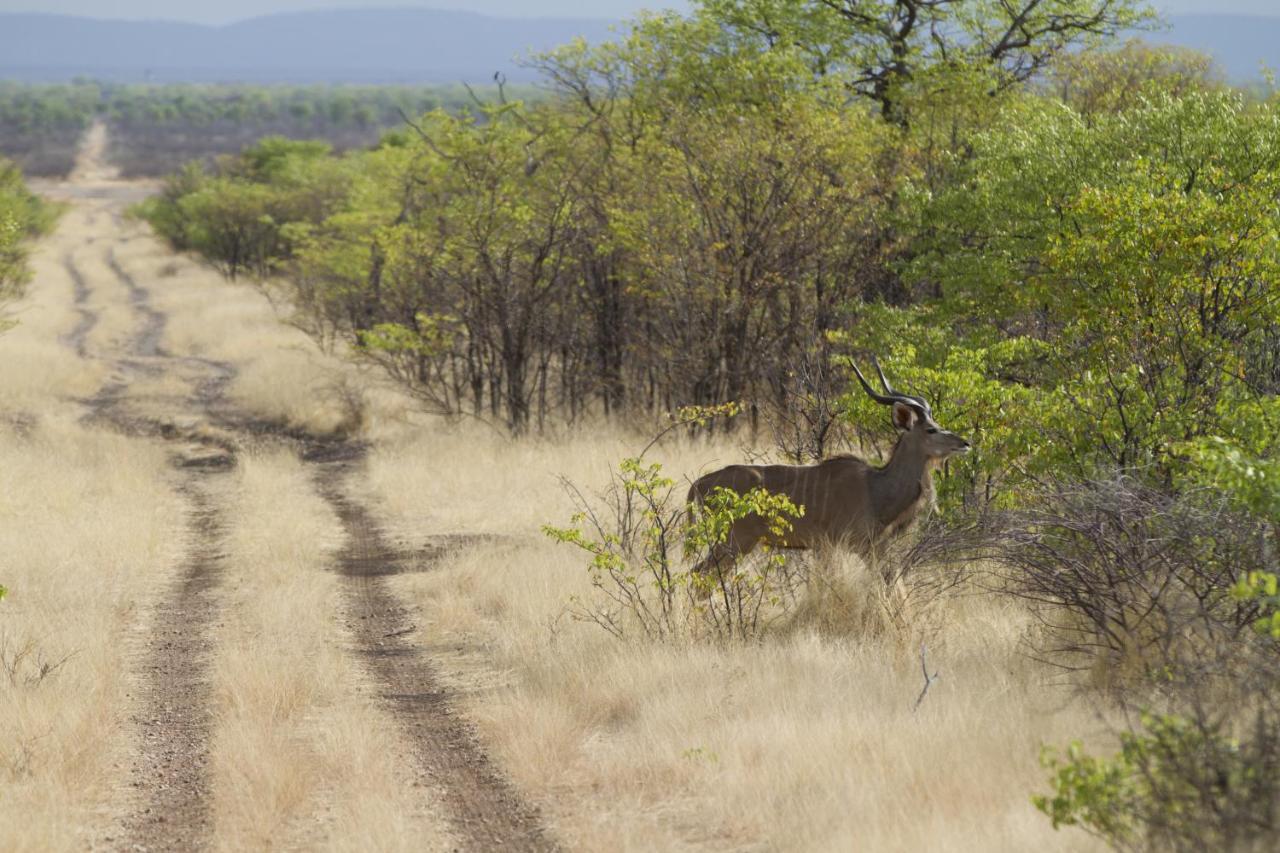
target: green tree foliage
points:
(1135, 254)
(636, 243)
(693, 217)
(883, 49)
(22, 216)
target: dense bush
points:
(22, 216)
(1178, 783)
(1130, 583)
(1203, 771)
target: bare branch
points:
(928, 679)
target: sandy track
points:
(170, 765)
(484, 810)
(146, 341)
(169, 806)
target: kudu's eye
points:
(933, 429)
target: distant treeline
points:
(41, 126)
(155, 129)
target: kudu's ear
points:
(904, 416)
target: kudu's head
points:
(914, 419)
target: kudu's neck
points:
(901, 482)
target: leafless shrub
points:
(805, 415)
(18, 754)
(1129, 583)
(352, 400)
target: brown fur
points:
(846, 501)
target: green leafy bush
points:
(644, 542)
(1177, 784)
(22, 217)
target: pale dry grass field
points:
(282, 376)
(803, 741)
(39, 369)
(302, 760)
(77, 578)
(89, 525)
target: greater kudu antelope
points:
(846, 501)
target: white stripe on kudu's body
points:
(846, 501)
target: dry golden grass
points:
(282, 377)
(77, 577)
(804, 741)
(38, 367)
(80, 580)
(301, 759)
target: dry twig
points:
(928, 679)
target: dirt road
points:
(159, 391)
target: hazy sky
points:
(223, 11)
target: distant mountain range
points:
(408, 46)
(348, 46)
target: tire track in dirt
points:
(146, 341)
(78, 337)
(170, 772)
(174, 718)
(484, 809)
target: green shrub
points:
(1177, 784)
(644, 541)
(22, 217)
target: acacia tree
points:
(880, 47)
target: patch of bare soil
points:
(170, 772)
(484, 809)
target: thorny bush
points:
(1169, 598)
(1130, 584)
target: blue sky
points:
(225, 11)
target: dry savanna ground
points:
(193, 655)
